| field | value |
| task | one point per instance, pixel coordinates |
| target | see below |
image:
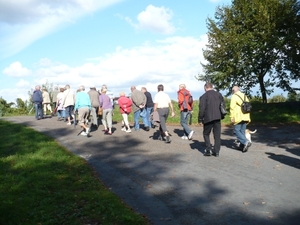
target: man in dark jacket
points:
(148, 107)
(37, 99)
(210, 116)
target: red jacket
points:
(183, 98)
(125, 104)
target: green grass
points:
(43, 183)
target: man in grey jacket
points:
(94, 97)
(138, 106)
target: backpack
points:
(245, 106)
(188, 100)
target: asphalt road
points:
(175, 184)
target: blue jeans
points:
(149, 111)
(239, 130)
(38, 110)
(184, 118)
(61, 113)
(137, 115)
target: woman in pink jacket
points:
(125, 108)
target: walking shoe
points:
(161, 138)
(246, 147)
(190, 135)
(123, 129)
(215, 154)
(184, 137)
(87, 130)
(168, 139)
(108, 133)
(83, 133)
(147, 128)
(68, 123)
(207, 152)
(128, 131)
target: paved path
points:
(175, 184)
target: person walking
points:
(185, 111)
(125, 108)
(68, 103)
(54, 94)
(107, 114)
(37, 99)
(238, 118)
(138, 106)
(162, 103)
(46, 102)
(94, 97)
(61, 114)
(210, 116)
(149, 106)
(83, 106)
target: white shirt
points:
(162, 100)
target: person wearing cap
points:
(94, 97)
(83, 106)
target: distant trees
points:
(252, 39)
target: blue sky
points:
(119, 43)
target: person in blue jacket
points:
(37, 99)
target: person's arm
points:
(172, 109)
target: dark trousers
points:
(216, 127)
(163, 116)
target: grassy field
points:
(43, 183)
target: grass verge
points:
(43, 183)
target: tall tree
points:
(251, 39)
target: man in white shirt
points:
(162, 102)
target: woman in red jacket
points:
(125, 108)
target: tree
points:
(250, 40)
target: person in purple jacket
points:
(107, 107)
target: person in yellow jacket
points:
(238, 118)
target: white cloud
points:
(155, 19)
(16, 70)
(170, 62)
(24, 22)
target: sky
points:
(119, 43)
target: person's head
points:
(61, 89)
(235, 89)
(208, 86)
(182, 86)
(103, 90)
(132, 88)
(81, 88)
(160, 87)
(93, 88)
(104, 86)
(44, 90)
(122, 94)
(67, 87)
(143, 89)
(37, 87)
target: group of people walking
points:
(89, 105)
